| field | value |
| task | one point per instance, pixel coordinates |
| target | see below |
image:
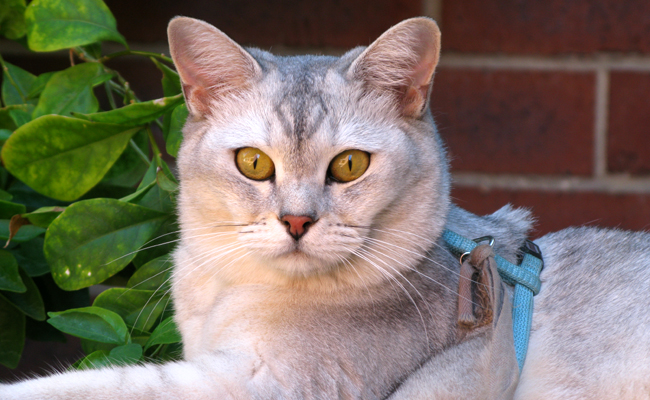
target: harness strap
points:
(525, 279)
(510, 273)
(522, 309)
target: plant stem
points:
(128, 93)
(136, 53)
(140, 152)
(82, 54)
(109, 94)
(116, 86)
(154, 147)
(11, 79)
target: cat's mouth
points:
(296, 249)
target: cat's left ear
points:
(402, 61)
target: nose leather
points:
(297, 225)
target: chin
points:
(299, 264)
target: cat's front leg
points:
(212, 377)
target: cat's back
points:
(589, 336)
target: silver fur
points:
(363, 306)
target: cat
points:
(314, 194)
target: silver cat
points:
(301, 285)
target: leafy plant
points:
(85, 195)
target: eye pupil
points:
(350, 162)
(257, 157)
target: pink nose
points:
(297, 225)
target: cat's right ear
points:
(210, 64)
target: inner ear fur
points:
(402, 61)
(210, 64)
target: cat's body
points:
(300, 286)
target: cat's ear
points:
(402, 61)
(210, 64)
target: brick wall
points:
(543, 104)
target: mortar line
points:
(563, 63)
(611, 184)
(601, 122)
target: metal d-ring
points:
(489, 239)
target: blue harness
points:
(524, 277)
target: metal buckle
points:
(490, 241)
(531, 248)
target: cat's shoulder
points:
(597, 249)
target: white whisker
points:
(356, 252)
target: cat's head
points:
(309, 168)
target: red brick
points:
(266, 23)
(546, 27)
(516, 121)
(628, 147)
(558, 210)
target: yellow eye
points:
(349, 165)
(254, 163)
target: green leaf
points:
(39, 84)
(136, 196)
(157, 198)
(175, 136)
(126, 355)
(16, 83)
(6, 121)
(29, 302)
(4, 195)
(165, 333)
(95, 360)
(149, 177)
(61, 24)
(135, 114)
(164, 242)
(121, 355)
(93, 49)
(153, 275)
(12, 19)
(30, 257)
(138, 308)
(166, 179)
(29, 197)
(129, 168)
(64, 157)
(44, 216)
(9, 209)
(12, 334)
(4, 135)
(25, 233)
(91, 323)
(94, 239)
(171, 82)
(91, 346)
(21, 116)
(71, 90)
(9, 275)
